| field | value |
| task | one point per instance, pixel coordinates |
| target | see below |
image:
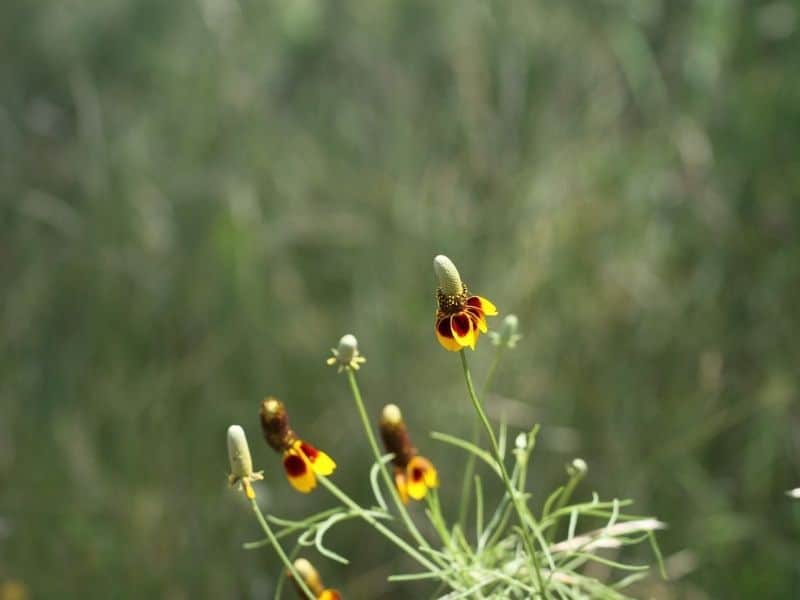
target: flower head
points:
(313, 581)
(347, 355)
(241, 463)
(301, 461)
(460, 318)
(507, 336)
(414, 475)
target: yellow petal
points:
(463, 330)
(417, 489)
(323, 464)
(421, 475)
(319, 461)
(429, 474)
(329, 595)
(248, 489)
(400, 482)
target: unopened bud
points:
(577, 468)
(507, 334)
(346, 354)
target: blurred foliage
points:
(198, 198)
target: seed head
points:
(310, 576)
(447, 274)
(275, 424)
(239, 452)
(391, 415)
(395, 435)
(241, 461)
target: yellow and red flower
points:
(414, 475)
(460, 317)
(313, 581)
(301, 461)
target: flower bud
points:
(507, 335)
(577, 468)
(348, 348)
(346, 354)
(447, 274)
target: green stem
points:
(275, 544)
(506, 480)
(469, 469)
(562, 501)
(401, 508)
(387, 533)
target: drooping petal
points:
(477, 318)
(463, 330)
(482, 303)
(298, 471)
(445, 335)
(320, 462)
(400, 482)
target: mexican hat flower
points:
(242, 474)
(414, 475)
(460, 317)
(301, 461)
(313, 581)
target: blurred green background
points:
(200, 197)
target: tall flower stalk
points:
(347, 357)
(523, 514)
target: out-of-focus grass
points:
(199, 198)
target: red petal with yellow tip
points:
(477, 317)
(463, 330)
(445, 335)
(482, 303)
(320, 462)
(299, 472)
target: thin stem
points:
(387, 533)
(401, 508)
(436, 518)
(562, 501)
(506, 480)
(469, 469)
(275, 544)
